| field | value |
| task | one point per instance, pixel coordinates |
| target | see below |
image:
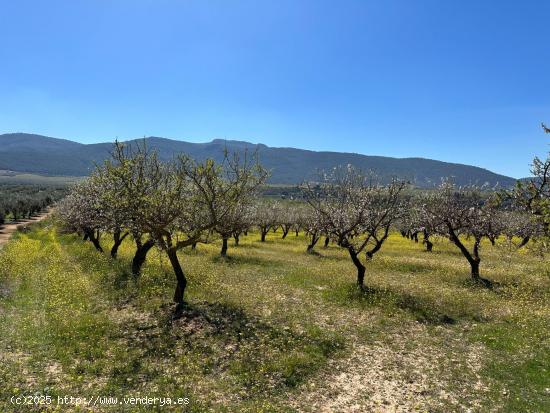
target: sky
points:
(461, 81)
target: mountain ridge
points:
(40, 154)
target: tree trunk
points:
(360, 268)
(313, 241)
(97, 245)
(429, 245)
(297, 231)
(263, 235)
(224, 247)
(117, 238)
(140, 255)
(475, 269)
(180, 276)
(473, 258)
(236, 238)
(523, 242)
(327, 240)
(94, 239)
(285, 233)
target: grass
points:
(274, 329)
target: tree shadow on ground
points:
(261, 356)
(484, 284)
(423, 309)
(400, 265)
(243, 259)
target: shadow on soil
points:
(422, 309)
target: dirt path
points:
(7, 230)
(398, 378)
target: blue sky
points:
(463, 81)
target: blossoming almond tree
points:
(460, 213)
(356, 212)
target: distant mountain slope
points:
(44, 155)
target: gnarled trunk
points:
(181, 281)
(473, 259)
(285, 232)
(140, 255)
(117, 238)
(236, 238)
(313, 240)
(94, 238)
(360, 268)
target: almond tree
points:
(265, 217)
(127, 183)
(520, 226)
(286, 217)
(356, 212)
(459, 213)
(301, 219)
(234, 223)
(533, 196)
(313, 228)
(229, 193)
(410, 225)
(81, 210)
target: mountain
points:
(50, 156)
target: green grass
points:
(274, 329)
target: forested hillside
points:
(44, 155)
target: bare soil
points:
(7, 230)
